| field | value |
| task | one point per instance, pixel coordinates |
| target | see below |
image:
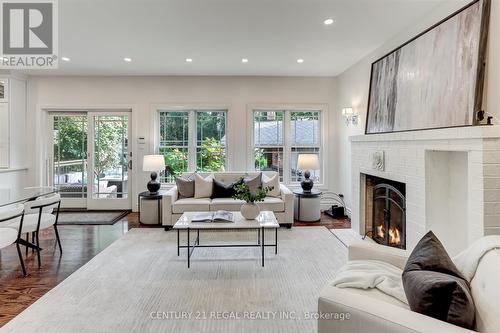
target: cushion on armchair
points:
(435, 287)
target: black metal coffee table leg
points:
(178, 243)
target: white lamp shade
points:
(153, 163)
(308, 162)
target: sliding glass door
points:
(110, 161)
(90, 159)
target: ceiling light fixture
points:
(328, 21)
(300, 61)
(65, 59)
(244, 60)
(127, 59)
(189, 60)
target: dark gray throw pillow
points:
(435, 287)
(185, 186)
(221, 190)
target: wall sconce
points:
(351, 116)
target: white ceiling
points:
(160, 34)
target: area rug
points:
(139, 284)
(91, 217)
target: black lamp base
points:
(153, 185)
(307, 183)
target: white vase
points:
(250, 210)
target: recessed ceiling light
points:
(244, 60)
(127, 59)
(189, 60)
(65, 59)
(300, 61)
(328, 21)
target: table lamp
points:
(307, 162)
(153, 163)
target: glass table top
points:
(10, 196)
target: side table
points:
(149, 196)
(308, 205)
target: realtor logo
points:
(29, 34)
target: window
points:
(280, 136)
(268, 141)
(305, 136)
(192, 140)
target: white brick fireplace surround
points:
(452, 179)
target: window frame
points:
(287, 137)
(191, 109)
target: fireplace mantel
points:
(454, 133)
(452, 177)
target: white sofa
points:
(372, 311)
(173, 207)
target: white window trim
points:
(191, 108)
(287, 144)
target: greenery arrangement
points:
(243, 193)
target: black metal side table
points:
(151, 196)
(310, 209)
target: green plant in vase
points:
(250, 210)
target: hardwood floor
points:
(327, 221)
(80, 244)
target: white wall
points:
(142, 92)
(353, 85)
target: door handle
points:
(130, 165)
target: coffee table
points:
(265, 220)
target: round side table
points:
(151, 196)
(308, 205)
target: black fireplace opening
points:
(386, 211)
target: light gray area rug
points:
(91, 217)
(139, 284)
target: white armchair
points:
(372, 311)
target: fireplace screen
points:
(386, 207)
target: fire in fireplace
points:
(385, 208)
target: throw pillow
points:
(254, 183)
(273, 182)
(203, 186)
(185, 186)
(435, 287)
(222, 190)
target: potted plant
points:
(250, 210)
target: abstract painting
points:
(435, 80)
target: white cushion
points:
(191, 205)
(7, 237)
(30, 222)
(203, 186)
(272, 204)
(485, 287)
(226, 204)
(273, 182)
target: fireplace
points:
(385, 207)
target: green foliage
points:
(243, 193)
(212, 156)
(261, 161)
(110, 133)
(70, 138)
(176, 159)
